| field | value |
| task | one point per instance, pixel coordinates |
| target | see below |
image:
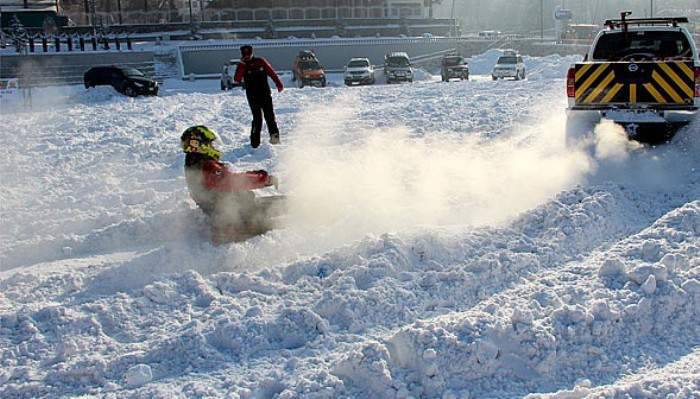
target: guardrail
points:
(311, 43)
(206, 60)
(432, 57)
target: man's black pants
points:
(260, 105)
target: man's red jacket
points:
(254, 73)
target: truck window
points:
(507, 60)
(310, 65)
(398, 61)
(358, 64)
(452, 61)
(649, 45)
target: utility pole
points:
(541, 19)
(119, 10)
(93, 16)
(86, 6)
(190, 3)
(651, 8)
(452, 17)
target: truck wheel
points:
(493, 77)
(222, 86)
(323, 83)
(300, 83)
(444, 79)
(129, 91)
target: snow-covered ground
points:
(441, 243)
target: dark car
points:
(128, 81)
(454, 66)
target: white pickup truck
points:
(641, 73)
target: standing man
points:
(253, 71)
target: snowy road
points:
(442, 243)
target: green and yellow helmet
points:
(199, 139)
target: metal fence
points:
(59, 69)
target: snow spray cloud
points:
(611, 142)
(619, 160)
(372, 180)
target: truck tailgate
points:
(664, 83)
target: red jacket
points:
(217, 177)
(210, 182)
(255, 73)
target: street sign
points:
(562, 14)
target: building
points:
(111, 12)
(405, 8)
(32, 13)
(246, 10)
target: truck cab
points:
(397, 68)
(454, 66)
(643, 74)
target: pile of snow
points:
(537, 68)
(442, 242)
(482, 64)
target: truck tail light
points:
(571, 82)
(697, 81)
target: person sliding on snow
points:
(224, 196)
(253, 71)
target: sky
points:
(524, 15)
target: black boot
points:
(274, 138)
(254, 139)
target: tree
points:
(19, 35)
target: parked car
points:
(227, 75)
(397, 68)
(454, 66)
(306, 70)
(359, 71)
(489, 34)
(509, 65)
(128, 81)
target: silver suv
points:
(509, 65)
(359, 71)
(397, 68)
(227, 75)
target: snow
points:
(442, 242)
